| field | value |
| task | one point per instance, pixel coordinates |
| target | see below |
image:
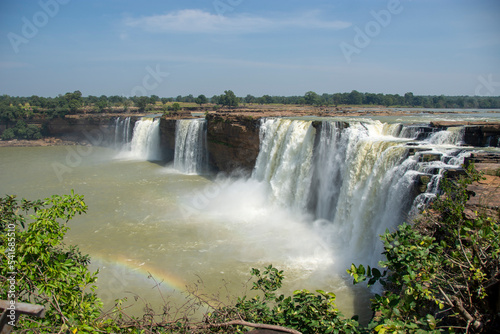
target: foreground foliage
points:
(46, 272)
(441, 274)
(304, 311)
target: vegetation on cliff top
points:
(73, 103)
(441, 274)
(17, 112)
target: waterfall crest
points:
(191, 155)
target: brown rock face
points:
(233, 142)
(167, 138)
(92, 130)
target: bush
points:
(45, 270)
(8, 134)
(22, 131)
(304, 311)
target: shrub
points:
(46, 271)
(304, 311)
(8, 134)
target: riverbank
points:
(48, 141)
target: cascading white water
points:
(145, 143)
(371, 188)
(191, 155)
(356, 179)
(285, 160)
(452, 136)
(122, 132)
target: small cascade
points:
(451, 136)
(123, 133)
(145, 143)
(416, 132)
(191, 155)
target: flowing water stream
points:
(318, 198)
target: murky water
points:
(145, 218)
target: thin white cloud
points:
(199, 21)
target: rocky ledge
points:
(233, 142)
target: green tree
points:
(8, 134)
(201, 99)
(74, 101)
(176, 107)
(267, 99)
(355, 97)
(311, 98)
(229, 99)
(153, 99)
(46, 271)
(409, 99)
(141, 103)
(250, 99)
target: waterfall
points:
(122, 132)
(145, 143)
(191, 155)
(329, 169)
(355, 179)
(285, 160)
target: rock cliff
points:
(167, 137)
(233, 142)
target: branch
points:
(250, 324)
(458, 305)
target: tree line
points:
(74, 102)
(16, 111)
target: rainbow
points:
(127, 266)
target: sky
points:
(275, 47)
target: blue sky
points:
(276, 47)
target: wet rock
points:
(454, 173)
(430, 156)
